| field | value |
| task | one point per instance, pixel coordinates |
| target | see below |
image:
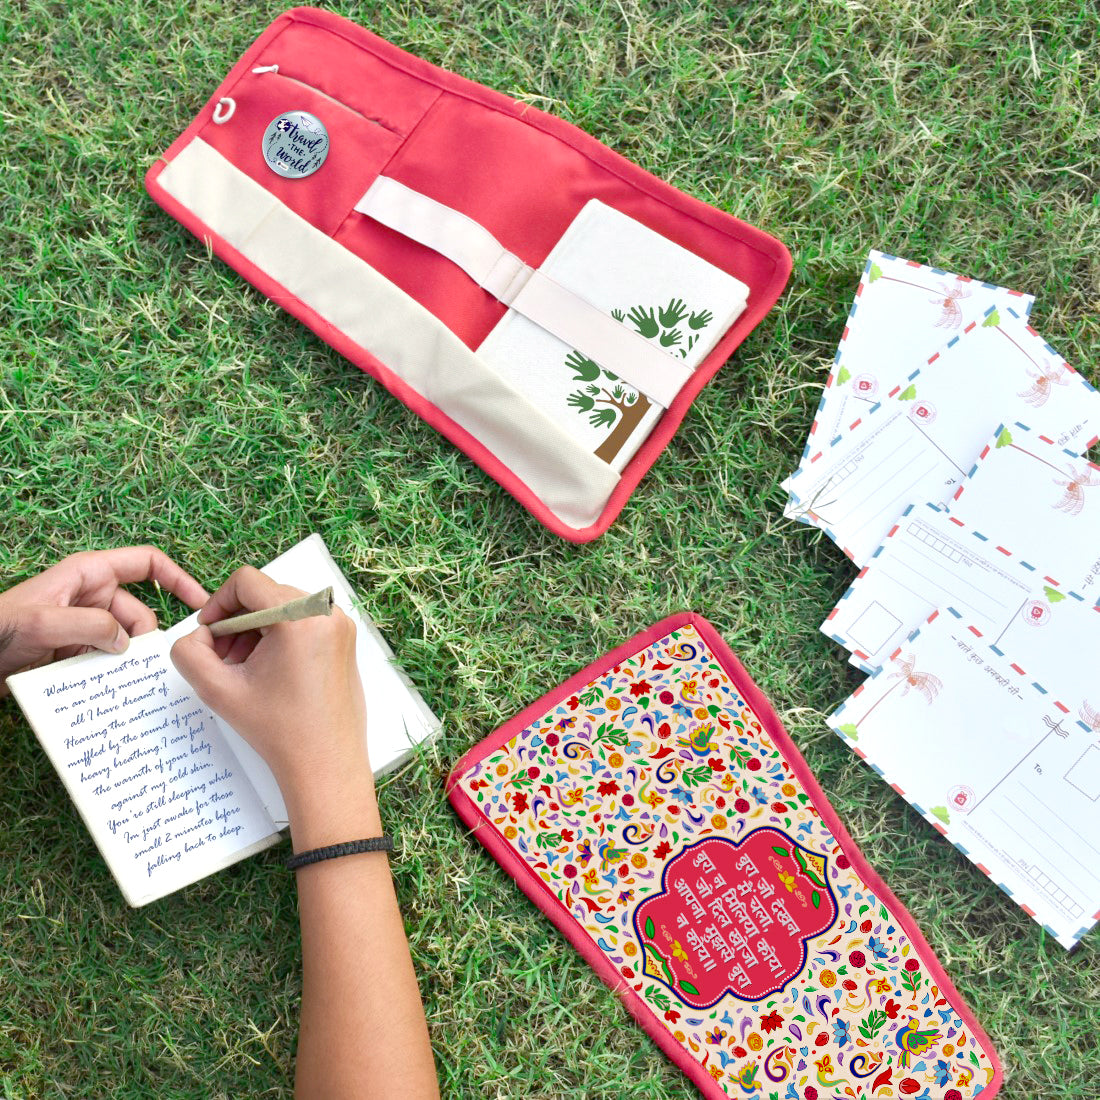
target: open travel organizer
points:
(654, 808)
(548, 306)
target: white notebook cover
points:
(661, 290)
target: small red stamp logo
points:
(923, 412)
(866, 385)
(734, 917)
(1036, 612)
(961, 798)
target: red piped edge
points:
(761, 298)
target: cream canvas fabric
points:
(383, 320)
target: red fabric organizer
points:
(402, 312)
(654, 808)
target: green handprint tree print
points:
(607, 401)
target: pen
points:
(305, 607)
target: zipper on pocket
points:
(262, 70)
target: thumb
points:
(47, 628)
(198, 663)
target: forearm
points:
(294, 692)
(363, 1031)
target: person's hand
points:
(291, 690)
(80, 604)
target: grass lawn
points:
(148, 394)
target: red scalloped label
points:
(734, 917)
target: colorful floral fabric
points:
(658, 811)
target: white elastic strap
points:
(539, 298)
(441, 229)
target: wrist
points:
(330, 809)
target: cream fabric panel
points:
(391, 326)
(576, 322)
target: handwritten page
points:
(164, 798)
(903, 313)
(920, 443)
(992, 758)
(931, 559)
(1042, 499)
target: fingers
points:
(134, 616)
(46, 628)
(133, 564)
(246, 590)
(199, 664)
(236, 648)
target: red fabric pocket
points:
(358, 147)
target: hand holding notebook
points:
(169, 791)
(82, 603)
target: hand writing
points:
(80, 604)
(291, 690)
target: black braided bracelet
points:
(383, 843)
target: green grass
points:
(148, 393)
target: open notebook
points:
(169, 792)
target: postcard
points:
(1032, 493)
(995, 759)
(932, 559)
(903, 312)
(919, 444)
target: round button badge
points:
(295, 144)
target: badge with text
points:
(295, 144)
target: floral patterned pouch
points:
(654, 808)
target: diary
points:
(170, 792)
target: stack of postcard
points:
(947, 460)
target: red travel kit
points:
(545, 304)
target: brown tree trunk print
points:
(630, 417)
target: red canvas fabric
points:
(521, 173)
